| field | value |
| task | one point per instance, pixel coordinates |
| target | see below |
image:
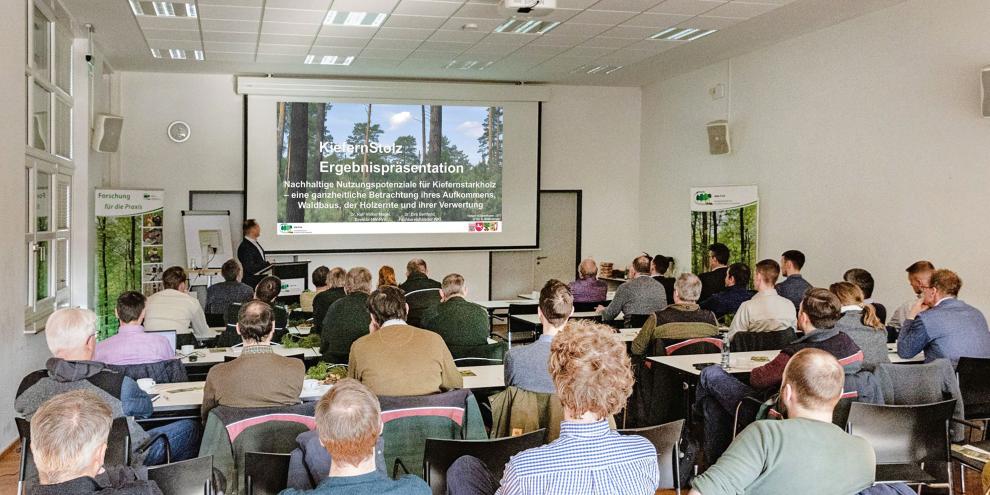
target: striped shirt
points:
(588, 458)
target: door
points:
(521, 272)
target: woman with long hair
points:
(386, 277)
(859, 321)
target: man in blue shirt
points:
(349, 421)
(736, 292)
(526, 365)
(592, 372)
(794, 285)
(942, 325)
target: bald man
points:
(587, 288)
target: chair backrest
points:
(974, 386)
(474, 361)
(168, 371)
(636, 321)
(118, 447)
(703, 345)
(439, 454)
(762, 341)
(418, 301)
(492, 352)
(265, 473)
(301, 356)
(214, 320)
(904, 434)
(523, 309)
(666, 438)
(588, 306)
(190, 477)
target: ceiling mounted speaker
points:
(106, 132)
(718, 137)
(985, 90)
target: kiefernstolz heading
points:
(386, 168)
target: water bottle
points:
(725, 351)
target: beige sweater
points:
(254, 380)
(402, 360)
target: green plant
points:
(321, 370)
(289, 341)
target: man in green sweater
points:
(804, 453)
(422, 292)
(460, 322)
(347, 319)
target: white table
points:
(503, 303)
(742, 362)
(188, 396)
(213, 356)
(535, 319)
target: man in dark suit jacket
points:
(420, 290)
(713, 281)
(251, 254)
(943, 326)
(460, 322)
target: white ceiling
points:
(419, 38)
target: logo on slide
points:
(703, 197)
(483, 227)
(285, 227)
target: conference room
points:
(495, 246)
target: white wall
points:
(19, 353)
(864, 138)
(213, 159)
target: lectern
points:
(294, 276)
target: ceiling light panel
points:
(328, 60)
(526, 26)
(600, 69)
(163, 9)
(359, 19)
(469, 64)
(682, 34)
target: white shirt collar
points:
(395, 321)
(851, 307)
(943, 299)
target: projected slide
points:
(354, 168)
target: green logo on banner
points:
(285, 227)
(702, 196)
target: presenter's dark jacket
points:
(421, 292)
(458, 321)
(322, 302)
(252, 261)
(347, 320)
(400, 360)
(712, 282)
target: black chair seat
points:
(191, 477)
(439, 454)
(264, 473)
(902, 473)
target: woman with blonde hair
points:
(386, 277)
(859, 321)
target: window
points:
(48, 165)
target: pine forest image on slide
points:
(736, 228)
(353, 162)
(118, 266)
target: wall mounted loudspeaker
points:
(985, 90)
(106, 132)
(718, 137)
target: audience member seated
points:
(173, 308)
(267, 291)
(131, 345)
(713, 281)
(386, 276)
(719, 393)
(920, 277)
(736, 292)
(258, 377)
(864, 280)
(794, 285)
(421, 291)
(765, 311)
(640, 295)
(460, 322)
(526, 365)
(230, 291)
(347, 319)
(859, 321)
(71, 337)
(682, 320)
(319, 278)
(593, 376)
(69, 436)
(349, 422)
(658, 269)
(803, 454)
(587, 288)
(336, 279)
(943, 326)
(397, 359)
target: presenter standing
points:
(251, 254)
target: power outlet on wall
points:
(717, 92)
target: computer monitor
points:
(168, 334)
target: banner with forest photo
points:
(360, 168)
(129, 249)
(729, 215)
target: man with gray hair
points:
(682, 320)
(71, 337)
(640, 295)
(68, 442)
(460, 322)
(587, 288)
(347, 318)
(422, 292)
